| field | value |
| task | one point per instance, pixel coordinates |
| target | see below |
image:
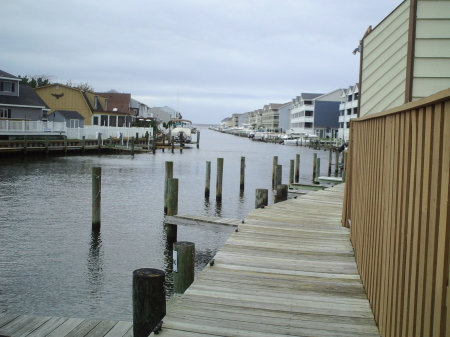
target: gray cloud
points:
(209, 58)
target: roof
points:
(8, 75)
(27, 96)
(310, 95)
(118, 101)
(68, 114)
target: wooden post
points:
(242, 178)
(172, 208)
(274, 172)
(314, 168)
(261, 198)
(173, 143)
(46, 145)
(291, 172)
(83, 143)
(297, 168)
(154, 144)
(317, 171)
(149, 300)
(132, 145)
(137, 138)
(168, 175)
(208, 179)
(65, 144)
(344, 169)
(336, 159)
(330, 161)
(99, 141)
(279, 176)
(219, 179)
(282, 193)
(183, 266)
(198, 139)
(96, 197)
(25, 144)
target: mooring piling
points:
(261, 198)
(183, 266)
(314, 168)
(96, 197)
(281, 194)
(336, 160)
(279, 176)
(208, 179)
(172, 208)
(198, 139)
(291, 172)
(242, 177)
(297, 168)
(219, 179)
(274, 171)
(168, 175)
(149, 300)
(330, 161)
(317, 173)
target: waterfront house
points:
(406, 56)
(270, 117)
(72, 119)
(315, 113)
(19, 101)
(284, 113)
(92, 106)
(348, 109)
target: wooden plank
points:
(48, 327)
(215, 224)
(66, 327)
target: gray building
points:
(20, 101)
(73, 119)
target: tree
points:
(81, 86)
(35, 81)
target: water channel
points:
(53, 265)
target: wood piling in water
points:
(219, 179)
(261, 198)
(208, 179)
(168, 174)
(149, 300)
(279, 176)
(291, 172)
(198, 139)
(330, 161)
(96, 197)
(242, 176)
(172, 208)
(274, 171)
(183, 266)
(282, 193)
(317, 173)
(336, 166)
(314, 168)
(297, 168)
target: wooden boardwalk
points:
(30, 326)
(289, 271)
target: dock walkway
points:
(289, 271)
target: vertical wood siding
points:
(397, 201)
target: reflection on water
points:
(52, 264)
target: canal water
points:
(53, 265)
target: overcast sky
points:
(206, 58)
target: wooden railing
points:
(397, 206)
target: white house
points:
(348, 109)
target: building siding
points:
(384, 63)
(432, 50)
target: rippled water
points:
(51, 262)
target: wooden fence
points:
(397, 206)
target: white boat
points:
(181, 127)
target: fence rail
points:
(397, 205)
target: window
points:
(308, 113)
(308, 102)
(348, 125)
(7, 86)
(308, 125)
(95, 120)
(121, 121)
(112, 120)
(5, 113)
(355, 96)
(104, 120)
(349, 111)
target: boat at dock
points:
(182, 127)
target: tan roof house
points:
(406, 56)
(93, 107)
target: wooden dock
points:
(289, 271)
(31, 326)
